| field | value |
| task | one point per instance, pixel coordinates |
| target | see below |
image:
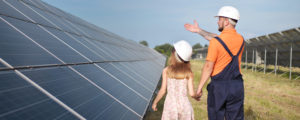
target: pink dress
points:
(177, 105)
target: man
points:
(226, 89)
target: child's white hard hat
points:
(183, 49)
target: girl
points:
(177, 77)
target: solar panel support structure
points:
(252, 60)
(265, 62)
(246, 67)
(291, 60)
(256, 56)
(276, 56)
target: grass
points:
(267, 97)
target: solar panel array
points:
(282, 41)
(56, 66)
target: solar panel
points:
(54, 65)
(20, 100)
(14, 48)
(9, 11)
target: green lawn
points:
(267, 97)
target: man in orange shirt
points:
(226, 89)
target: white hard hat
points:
(183, 49)
(230, 12)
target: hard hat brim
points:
(225, 17)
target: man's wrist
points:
(199, 31)
(200, 87)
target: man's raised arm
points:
(196, 29)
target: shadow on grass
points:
(284, 73)
(151, 115)
(250, 114)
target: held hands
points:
(154, 107)
(192, 28)
(198, 94)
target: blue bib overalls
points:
(226, 91)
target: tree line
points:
(166, 48)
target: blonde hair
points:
(232, 22)
(178, 69)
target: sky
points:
(162, 21)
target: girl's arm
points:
(162, 90)
(191, 86)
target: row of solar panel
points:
(16, 9)
(66, 22)
(75, 91)
(281, 40)
(130, 78)
(95, 91)
(94, 50)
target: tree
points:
(144, 43)
(165, 49)
(196, 46)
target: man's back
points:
(218, 54)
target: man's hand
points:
(196, 29)
(198, 94)
(154, 107)
(192, 28)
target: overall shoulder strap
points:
(224, 45)
(241, 48)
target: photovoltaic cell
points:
(35, 17)
(73, 90)
(134, 74)
(20, 100)
(6, 10)
(48, 41)
(107, 82)
(137, 104)
(128, 80)
(116, 53)
(94, 48)
(116, 114)
(17, 50)
(43, 6)
(59, 23)
(76, 44)
(147, 73)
